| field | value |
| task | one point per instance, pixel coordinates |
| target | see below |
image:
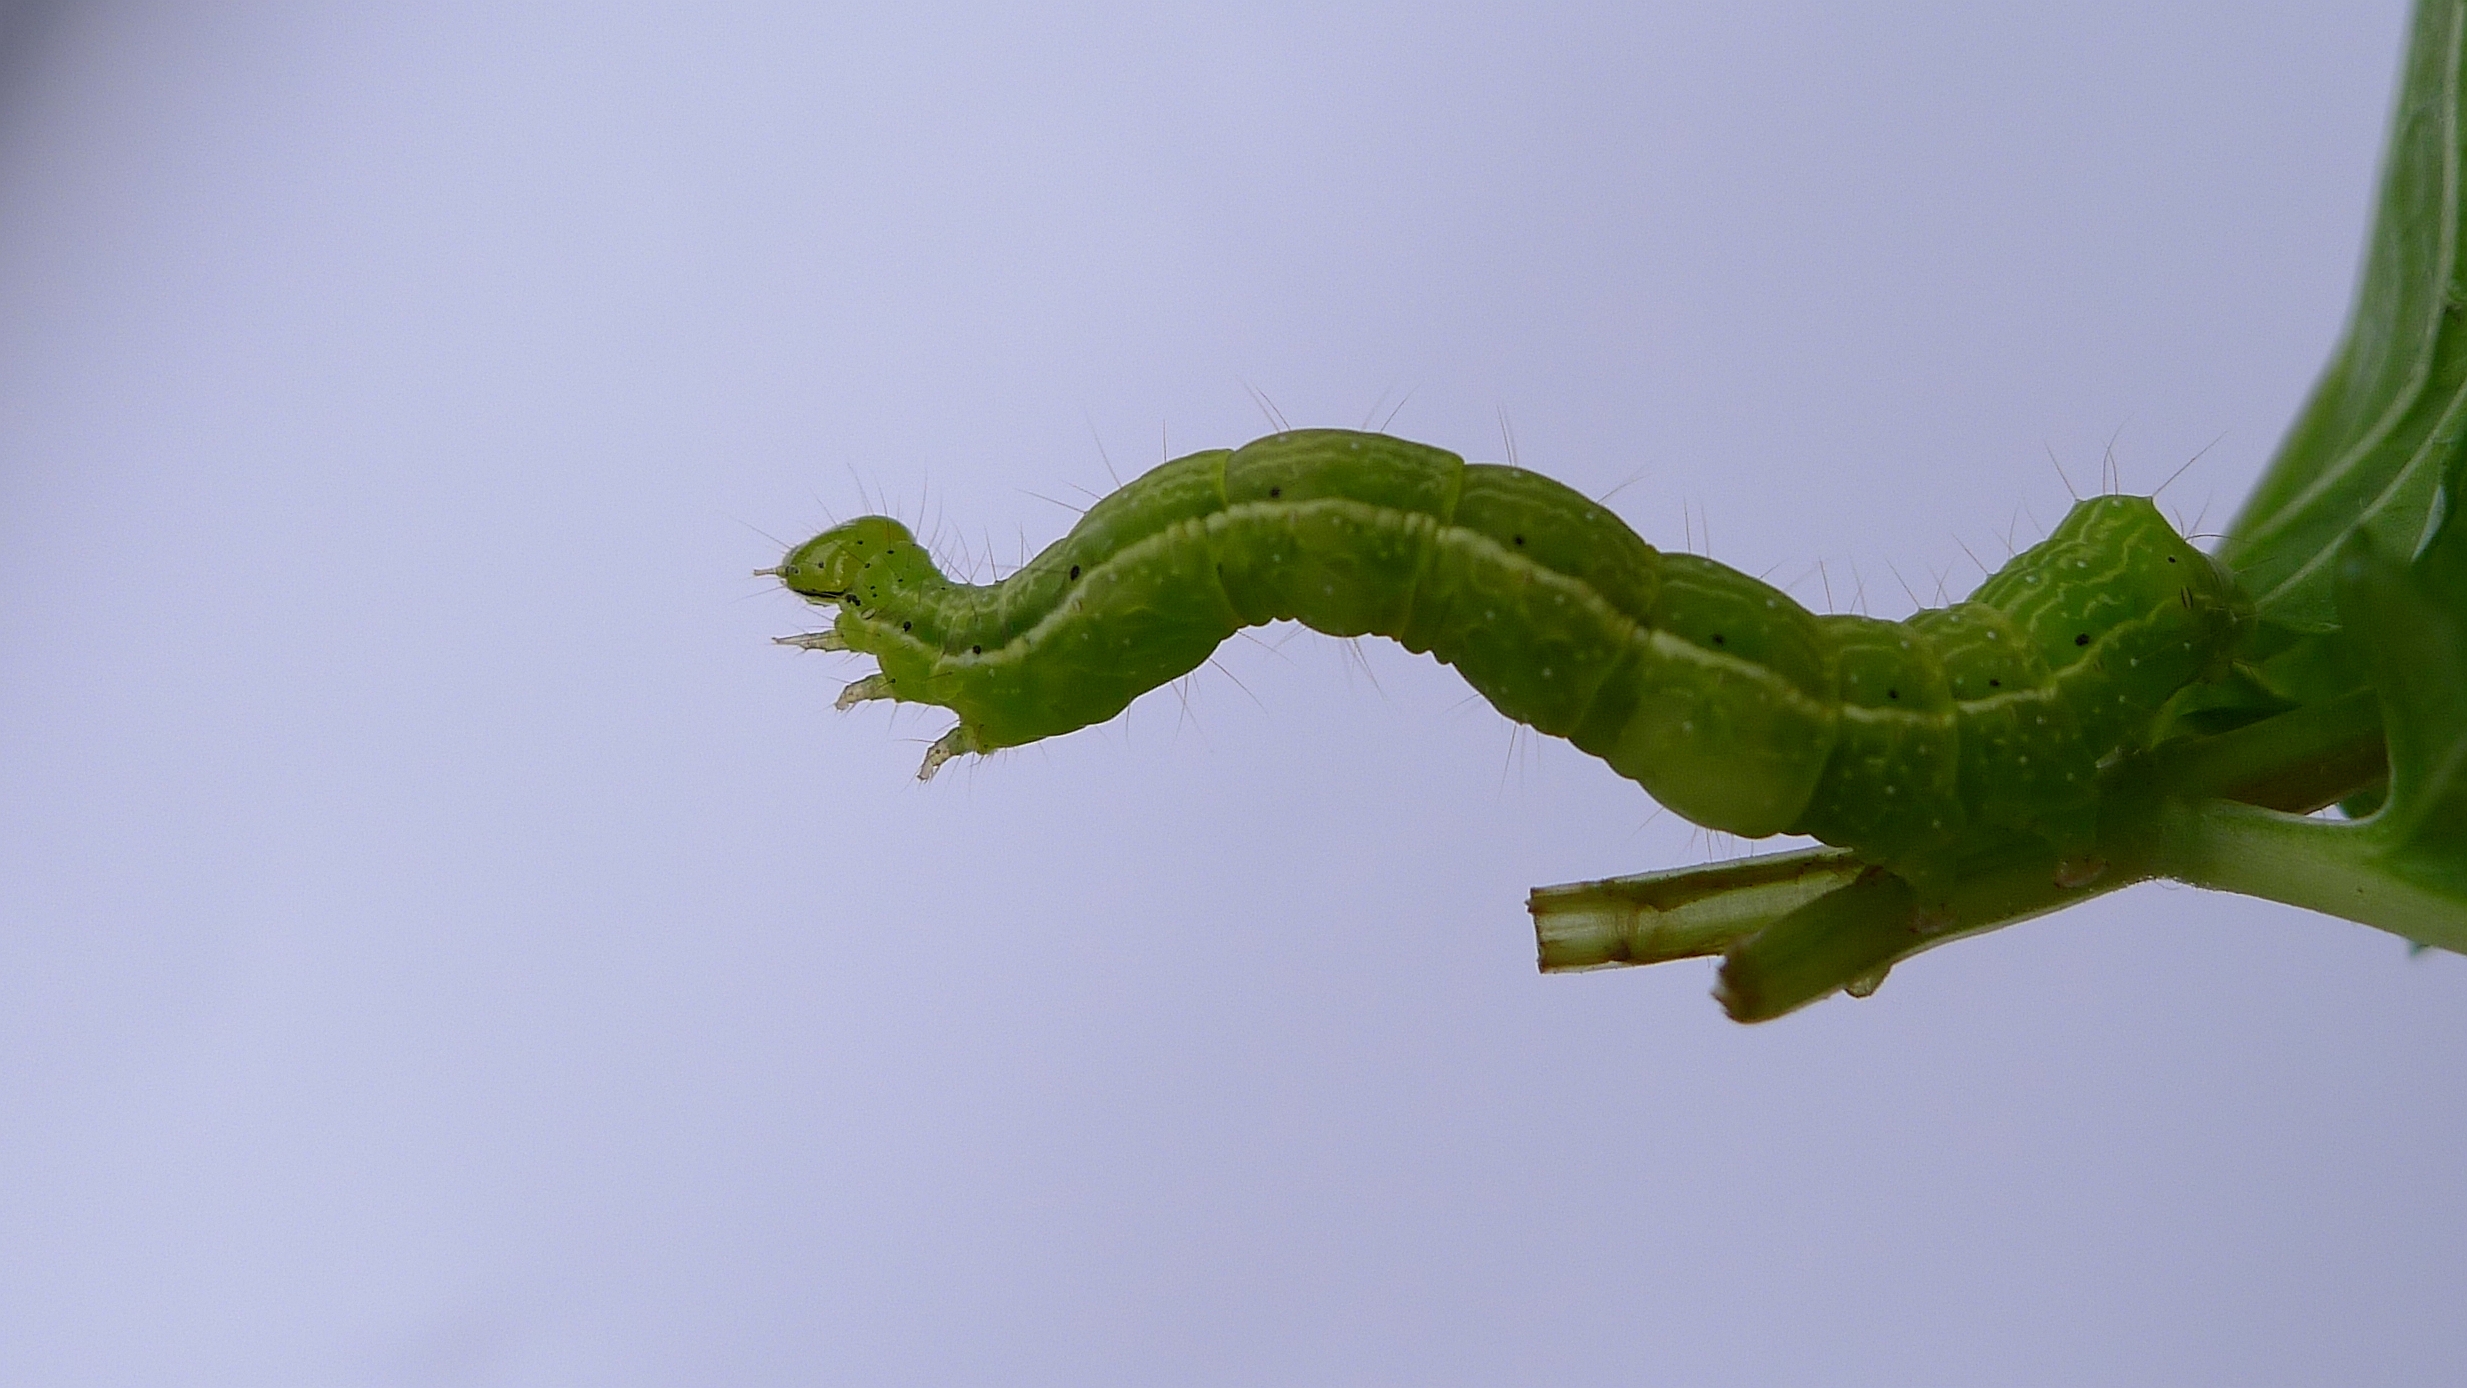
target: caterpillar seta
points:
(1905, 742)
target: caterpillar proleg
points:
(1725, 699)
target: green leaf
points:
(2412, 618)
(2386, 421)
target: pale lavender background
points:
(444, 943)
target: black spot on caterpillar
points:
(1728, 701)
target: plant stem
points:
(2298, 761)
(1681, 913)
(2345, 870)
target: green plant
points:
(2107, 710)
(2350, 689)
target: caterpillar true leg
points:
(814, 641)
(864, 691)
(945, 747)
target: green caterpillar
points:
(1726, 700)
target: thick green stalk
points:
(2352, 871)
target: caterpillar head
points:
(856, 563)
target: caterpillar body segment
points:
(1720, 695)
